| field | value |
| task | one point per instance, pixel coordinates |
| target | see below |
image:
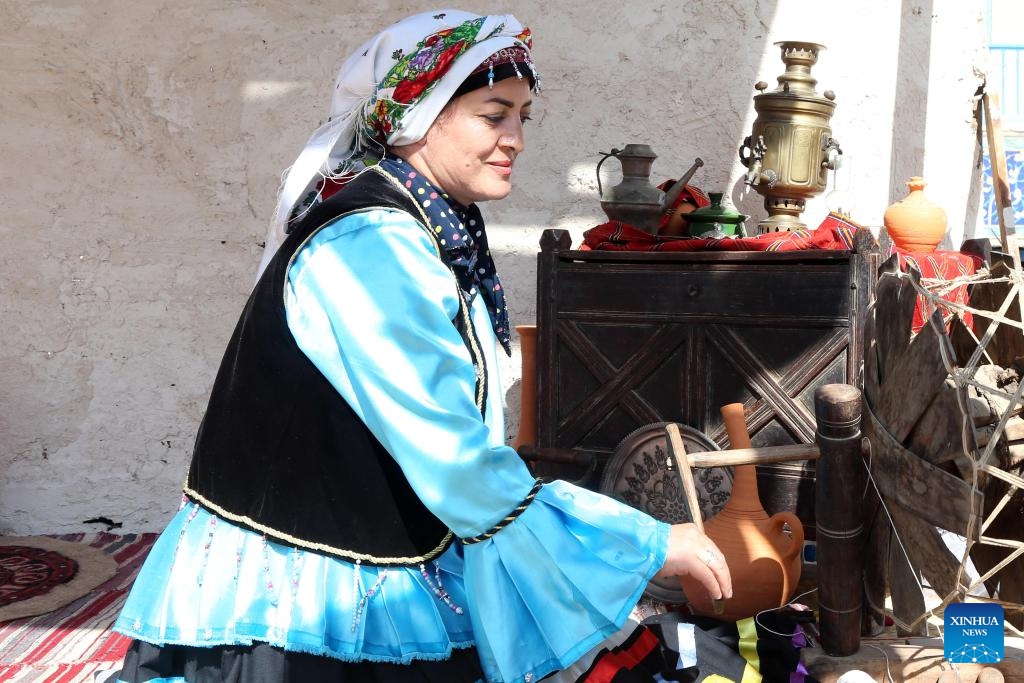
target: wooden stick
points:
(725, 458)
(1001, 182)
(676, 448)
(681, 461)
(1000, 175)
(754, 456)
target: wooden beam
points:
(909, 386)
(938, 497)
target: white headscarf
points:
(338, 146)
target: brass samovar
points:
(790, 149)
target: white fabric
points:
(341, 141)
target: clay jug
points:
(527, 434)
(763, 559)
(915, 223)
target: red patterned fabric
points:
(27, 572)
(835, 232)
(939, 265)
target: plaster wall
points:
(142, 144)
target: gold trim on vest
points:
(320, 547)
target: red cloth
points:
(939, 265)
(835, 232)
(329, 186)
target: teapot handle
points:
(746, 151)
(796, 528)
(796, 544)
(604, 157)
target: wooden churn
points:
(838, 494)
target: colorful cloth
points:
(419, 71)
(835, 232)
(461, 232)
(676, 647)
(939, 265)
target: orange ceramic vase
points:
(763, 559)
(527, 433)
(915, 223)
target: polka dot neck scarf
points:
(460, 232)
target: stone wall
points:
(143, 141)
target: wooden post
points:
(1001, 180)
(838, 491)
(1000, 174)
(552, 243)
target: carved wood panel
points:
(630, 338)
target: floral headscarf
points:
(390, 91)
(415, 74)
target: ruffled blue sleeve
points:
(371, 304)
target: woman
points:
(351, 512)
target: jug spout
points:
(669, 200)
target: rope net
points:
(982, 461)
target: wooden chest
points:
(630, 338)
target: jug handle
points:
(796, 544)
(604, 157)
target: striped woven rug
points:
(70, 644)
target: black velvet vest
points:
(280, 451)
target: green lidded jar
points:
(715, 220)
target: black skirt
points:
(262, 663)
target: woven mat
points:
(50, 573)
(71, 643)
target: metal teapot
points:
(635, 201)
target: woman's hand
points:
(692, 553)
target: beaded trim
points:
(438, 588)
(509, 519)
(291, 540)
(513, 55)
(363, 594)
(271, 593)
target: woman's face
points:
(471, 148)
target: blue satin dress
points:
(532, 598)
